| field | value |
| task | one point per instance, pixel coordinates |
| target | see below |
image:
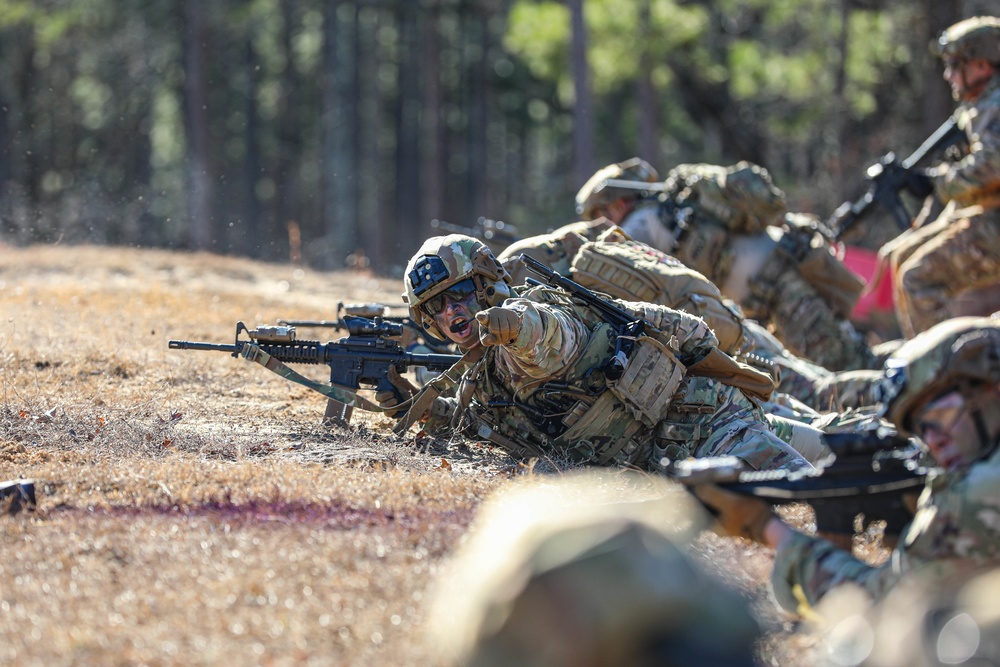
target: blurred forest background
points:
(255, 127)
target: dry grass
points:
(193, 509)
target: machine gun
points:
(497, 234)
(870, 474)
(360, 361)
(888, 177)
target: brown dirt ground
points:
(194, 510)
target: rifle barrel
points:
(432, 362)
(189, 345)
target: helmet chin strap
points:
(986, 446)
(986, 443)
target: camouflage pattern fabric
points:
(960, 251)
(670, 283)
(742, 197)
(810, 325)
(807, 382)
(563, 342)
(588, 569)
(804, 321)
(955, 532)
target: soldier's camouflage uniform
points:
(956, 528)
(567, 251)
(955, 531)
(960, 250)
(538, 394)
(807, 322)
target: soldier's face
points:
(457, 319)
(947, 427)
(967, 78)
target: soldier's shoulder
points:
(991, 98)
(981, 483)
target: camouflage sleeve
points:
(550, 340)
(978, 172)
(956, 531)
(806, 568)
(441, 418)
(962, 522)
(692, 333)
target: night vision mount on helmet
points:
(444, 261)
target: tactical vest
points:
(586, 415)
(639, 419)
(636, 272)
(742, 198)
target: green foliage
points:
(470, 105)
(538, 33)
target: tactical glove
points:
(498, 326)
(736, 515)
(919, 183)
(388, 399)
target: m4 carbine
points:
(870, 474)
(360, 361)
(888, 177)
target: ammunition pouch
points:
(610, 428)
(651, 377)
(601, 432)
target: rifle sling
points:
(346, 395)
(422, 402)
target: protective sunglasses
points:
(940, 417)
(457, 292)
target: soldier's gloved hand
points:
(919, 183)
(388, 399)
(736, 515)
(498, 325)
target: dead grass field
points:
(193, 510)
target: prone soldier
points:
(943, 386)
(731, 224)
(600, 256)
(547, 373)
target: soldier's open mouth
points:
(460, 326)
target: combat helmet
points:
(595, 194)
(971, 39)
(587, 570)
(956, 354)
(441, 264)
